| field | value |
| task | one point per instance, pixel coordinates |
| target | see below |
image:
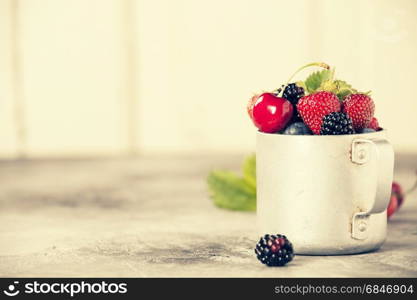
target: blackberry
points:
(296, 116)
(336, 123)
(274, 250)
(293, 93)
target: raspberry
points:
(274, 250)
(314, 107)
(336, 123)
(360, 109)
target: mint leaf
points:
(315, 79)
(249, 170)
(230, 191)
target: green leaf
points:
(343, 85)
(315, 79)
(230, 191)
(249, 170)
(343, 94)
(328, 85)
(343, 89)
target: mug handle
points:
(380, 154)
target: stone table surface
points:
(152, 217)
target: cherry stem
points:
(314, 64)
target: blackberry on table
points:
(336, 123)
(274, 250)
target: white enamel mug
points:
(327, 194)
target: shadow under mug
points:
(327, 194)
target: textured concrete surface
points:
(152, 217)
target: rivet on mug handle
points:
(380, 152)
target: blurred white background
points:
(111, 77)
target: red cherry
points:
(271, 113)
(392, 206)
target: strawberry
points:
(374, 124)
(314, 107)
(360, 108)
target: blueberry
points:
(367, 130)
(297, 128)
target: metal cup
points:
(327, 194)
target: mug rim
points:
(383, 130)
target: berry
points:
(336, 123)
(293, 93)
(360, 109)
(296, 117)
(274, 250)
(314, 107)
(396, 200)
(392, 206)
(271, 113)
(298, 128)
(367, 130)
(398, 191)
(374, 124)
(250, 105)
